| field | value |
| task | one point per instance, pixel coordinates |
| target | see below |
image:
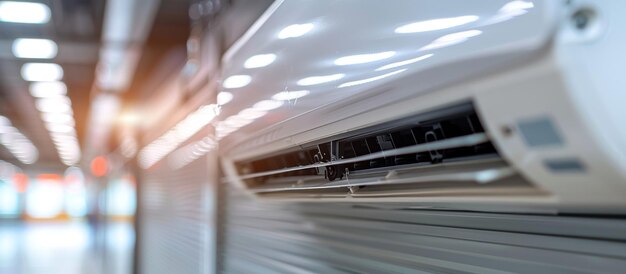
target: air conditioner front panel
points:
(343, 53)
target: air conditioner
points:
(480, 105)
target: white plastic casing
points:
(521, 63)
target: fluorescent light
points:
(60, 128)
(58, 118)
(24, 12)
(41, 72)
(295, 30)
(363, 58)
(224, 97)
(54, 105)
(290, 95)
(314, 80)
(34, 48)
(259, 61)
(237, 81)
(436, 24)
(405, 62)
(4, 122)
(59, 137)
(372, 79)
(451, 39)
(16, 143)
(47, 89)
(268, 105)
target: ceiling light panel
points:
(41, 72)
(24, 12)
(34, 48)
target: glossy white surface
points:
(334, 52)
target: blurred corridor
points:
(71, 247)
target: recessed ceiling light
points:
(24, 12)
(47, 89)
(34, 48)
(41, 72)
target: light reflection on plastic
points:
(509, 11)
(267, 105)
(315, 80)
(224, 97)
(405, 62)
(237, 81)
(290, 95)
(363, 58)
(259, 61)
(372, 79)
(436, 24)
(191, 152)
(251, 113)
(180, 133)
(515, 7)
(451, 39)
(295, 30)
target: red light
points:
(21, 182)
(99, 166)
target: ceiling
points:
(76, 26)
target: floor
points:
(65, 248)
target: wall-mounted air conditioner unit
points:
(490, 105)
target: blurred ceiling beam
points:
(127, 24)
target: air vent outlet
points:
(442, 152)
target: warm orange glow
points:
(21, 182)
(99, 166)
(49, 177)
(129, 118)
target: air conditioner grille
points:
(447, 148)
